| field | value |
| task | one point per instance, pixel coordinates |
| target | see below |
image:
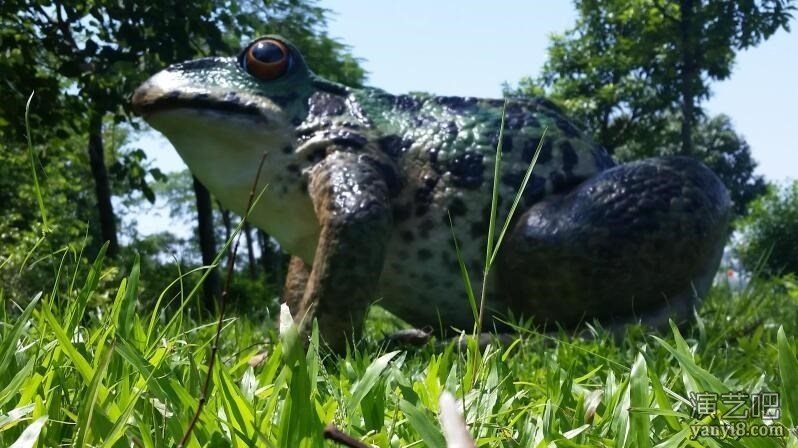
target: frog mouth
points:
(147, 102)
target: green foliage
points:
(770, 233)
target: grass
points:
(107, 378)
(115, 375)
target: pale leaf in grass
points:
(454, 428)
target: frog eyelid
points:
(266, 71)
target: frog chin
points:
(224, 154)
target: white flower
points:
(286, 319)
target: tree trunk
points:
(274, 262)
(228, 225)
(250, 251)
(102, 187)
(207, 242)
(688, 74)
(263, 243)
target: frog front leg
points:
(352, 203)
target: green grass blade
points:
(13, 387)
(369, 379)
(426, 428)
(8, 345)
(472, 300)
(518, 195)
(84, 422)
(78, 307)
(494, 203)
(125, 310)
(639, 398)
(239, 412)
(32, 156)
(788, 369)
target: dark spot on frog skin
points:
(457, 207)
(430, 280)
(451, 128)
(388, 171)
(394, 146)
(283, 100)
(467, 170)
(535, 190)
(401, 213)
(423, 195)
(322, 104)
(424, 254)
(475, 266)
(569, 157)
(507, 140)
(174, 95)
(199, 65)
(345, 137)
(449, 261)
(433, 157)
(292, 168)
(531, 122)
(559, 182)
(455, 103)
(479, 229)
(288, 149)
(406, 103)
(425, 227)
(512, 179)
(316, 155)
(532, 146)
(567, 127)
(507, 143)
(407, 236)
(422, 209)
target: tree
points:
(770, 233)
(630, 69)
(696, 41)
(97, 52)
(86, 57)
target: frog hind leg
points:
(638, 242)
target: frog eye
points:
(266, 59)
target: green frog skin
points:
(362, 185)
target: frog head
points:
(221, 109)
(222, 113)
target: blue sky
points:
(470, 48)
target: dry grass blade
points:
(222, 302)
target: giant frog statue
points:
(366, 190)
